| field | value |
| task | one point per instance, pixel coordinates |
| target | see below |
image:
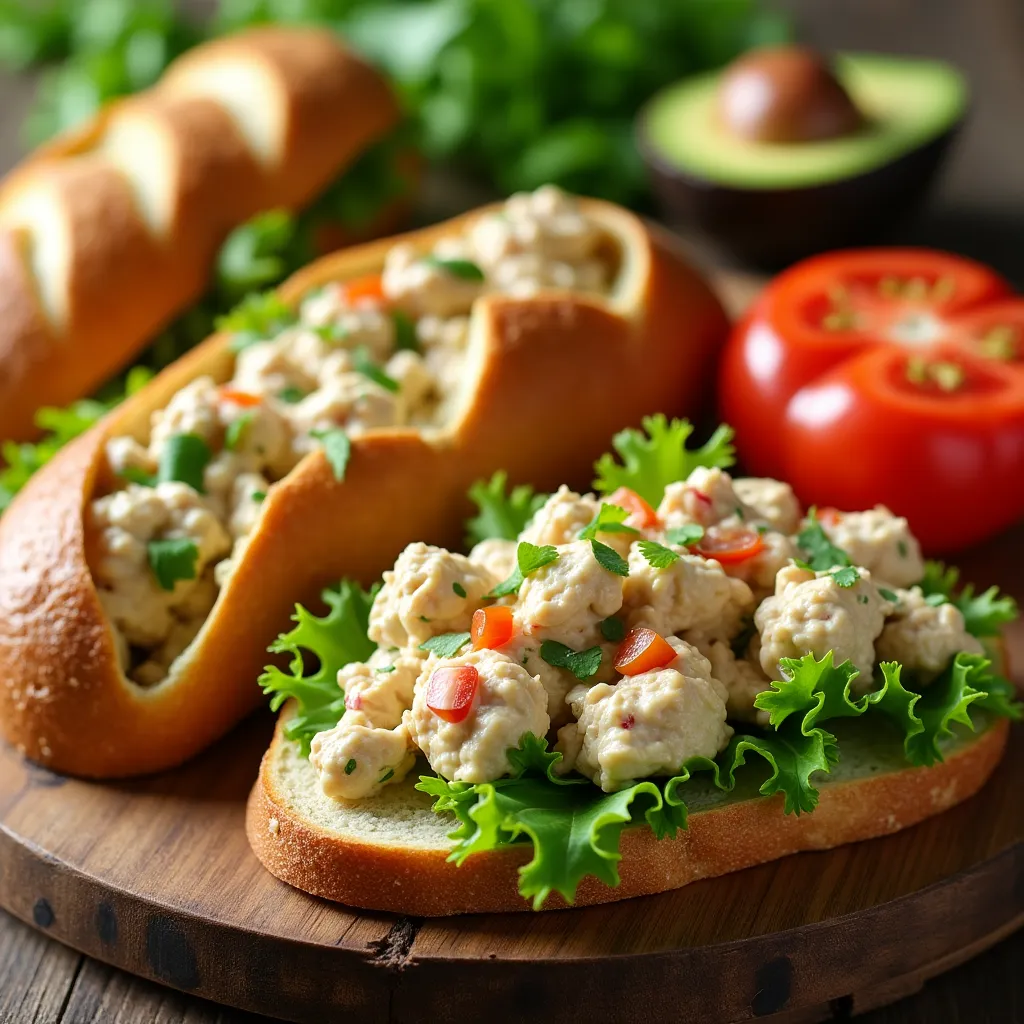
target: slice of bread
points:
(389, 852)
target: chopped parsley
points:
(236, 430)
(609, 559)
(459, 589)
(389, 774)
(350, 766)
(820, 552)
(447, 645)
(582, 664)
(291, 394)
(371, 371)
(258, 496)
(657, 555)
(846, 577)
(173, 559)
(613, 628)
(888, 595)
(529, 558)
(337, 449)
(405, 332)
(685, 535)
(332, 333)
(609, 519)
(184, 459)
(466, 269)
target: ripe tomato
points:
(643, 650)
(729, 545)
(641, 514)
(492, 627)
(891, 376)
(451, 692)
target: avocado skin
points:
(771, 228)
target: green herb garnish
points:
(173, 559)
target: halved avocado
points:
(772, 202)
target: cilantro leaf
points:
(529, 558)
(582, 664)
(184, 458)
(371, 371)
(337, 449)
(291, 394)
(447, 645)
(657, 555)
(651, 463)
(236, 430)
(609, 519)
(821, 553)
(333, 640)
(613, 628)
(405, 332)
(609, 559)
(466, 269)
(984, 614)
(845, 577)
(173, 559)
(500, 516)
(685, 535)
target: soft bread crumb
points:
(273, 826)
(398, 816)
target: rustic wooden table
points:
(978, 210)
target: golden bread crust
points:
(552, 378)
(422, 883)
(111, 230)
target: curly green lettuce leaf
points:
(658, 456)
(573, 826)
(333, 640)
(501, 515)
(61, 426)
(816, 690)
(984, 614)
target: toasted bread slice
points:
(390, 852)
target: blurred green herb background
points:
(517, 92)
(513, 93)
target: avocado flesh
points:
(907, 103)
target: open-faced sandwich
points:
(110, 232)
(144, 570)
(681, 654)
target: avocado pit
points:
(785, 94)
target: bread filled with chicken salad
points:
(615, 693)
(326, 424)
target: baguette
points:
(110, 230)
(547, 380)
(389, 852)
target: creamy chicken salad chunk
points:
(631, 647)
(380, 351)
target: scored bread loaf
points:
(110, 230)
(547, 379)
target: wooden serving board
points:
(155, 876)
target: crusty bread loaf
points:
(109, 231)
(389, 852)
(547, 381)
